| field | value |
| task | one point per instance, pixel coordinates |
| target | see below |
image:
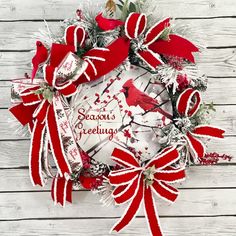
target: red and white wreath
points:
(114, 106)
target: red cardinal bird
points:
(40, 56)
(107, 24)
(135, 97)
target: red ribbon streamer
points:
(187, 105)
(61, 190)
(131, 185)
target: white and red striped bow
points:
(136, 183)
(187, 105)
(46, 121)
(49, 125)
(150, 45)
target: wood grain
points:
(13, 180)
(184, 226)
(39, 205)
(20, 35)
(50, 9)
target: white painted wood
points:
(49, 9)
(19, 36)
(194, 202)
(197, 177)
(218, 62)
(184, 226)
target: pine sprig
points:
(204, 114)
(46, 91)
(126, 7)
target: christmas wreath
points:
(114, 106)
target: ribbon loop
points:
(155, 31)
(45, 99)
(184, 101)
(170, 155)
(75, 36)
(29, 97)
(135, 25)
(67, 88)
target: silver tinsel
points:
(169, 75)
(105, 193)
(170, 135)
(184, 124)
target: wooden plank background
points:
(207, 203)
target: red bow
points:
(41, 106)
(150, 46)
(135, 182)
(188, 104)
(46, 121)
(49, 128)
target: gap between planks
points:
(174, 226)
(173, 18)
(113, 217)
